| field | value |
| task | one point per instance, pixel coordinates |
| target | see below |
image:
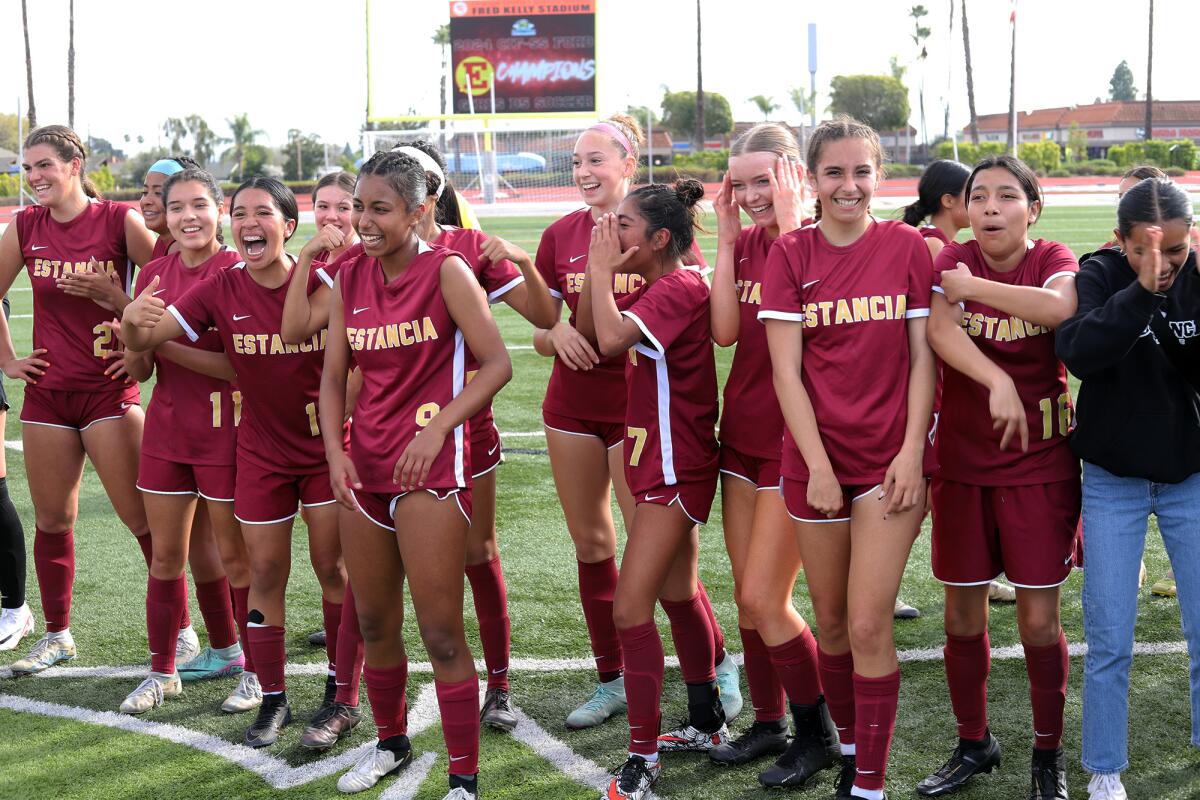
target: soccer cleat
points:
(814, 748)
(317, 638)
(273, 714)
(608, 699)
(730, 688)
(633, 780)
(14, 624)
(1106, 786)
(45, 653)
(332, 722)
(962, 765)
(497, 710)
(151, 692)
(247, 696)
(373, 765)
(1163, 588)
(689, 739)
(211, 665)
(1048, 776)
(845, 778)
(903, 610)
(760, 739)
(460, 793)
(187, 645)
(1000, 592)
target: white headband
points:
(428, 163)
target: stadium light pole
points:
(812, 74)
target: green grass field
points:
(65, 756)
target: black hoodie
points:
(1138, 356)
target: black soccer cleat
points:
(273, 714)
(845, 779)
(814, 748)
(497, 710)
(969, 759)
(760, 739)
(331, 722)
(317, 638)
(1049, 776)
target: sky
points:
(304, 63)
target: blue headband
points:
(166, 166)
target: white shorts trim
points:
(856, 498)
(452, 493)
(266, 522)
(106, 419)
(733, 474)
(215, 499)
(362, 511)
(969, 583)
(49, 425)
(1013, 583)
(817, 521)
(153, 491)
(492, 468)
(317, 505)
(682, 508)
(577, 433)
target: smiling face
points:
(600, 169)
(333, 206)
(752, 187)
(845, 179)
(192, 215)
(51, 179)
(1175, 246)
(632, 230)
(259, 228)
(151, 203)
(382, 219)
(1000, 213)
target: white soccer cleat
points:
(459, 793)
(187, 645)
(151, 692)
(48, 651)
(372, 766)
(1106, 786)
(688, 739)
(999, 592)
(730, 687)
(246, 697)
(15, 623)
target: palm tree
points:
(441, 37)
(204, 140)
(970, 78)
(28, 66)
(1012, 88)
(243, 136)
(71, 68)
(1149, 72)
(920, 36)
(699, 134)
(766, 105)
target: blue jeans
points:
(1115, 512)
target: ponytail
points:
(940, 178)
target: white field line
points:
(408, 782)
(559, 755)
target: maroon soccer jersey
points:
(599, 393)
(413, 362)
(279, 382)
(672, 385)
(751, 421)
(968, 447)
(72, 329)
(325, 271)
(162, 247)
(853, 303)
(192, 417)
(933, 232)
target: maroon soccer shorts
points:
(380, 507)
(1026, 532)
(59, 408)
(486, 452)
(264, 496)
(611, 433)
(795, 497)
(160, 476)
(762, 472)
(695, 499)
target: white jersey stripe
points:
(460, 372)
(664, 420)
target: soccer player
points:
(333, 204)
(584, 409)
(407, 310)
(151, 202)
(79, 251)
(670, 460)
(16, 620)
(1132, 344)
(280, 463)
(1006, 496)
(765, 179)
(845, 303)
(182, 461)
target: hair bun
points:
(689, 191)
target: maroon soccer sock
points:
(269, 655)
(331, 614)
(164, 608)
(1047, 667)
(718, 635)
(491, 609)
(837, 680)
(216, 607)
(597, 588)
(692, 634)
(795, 663)
(54, 562)
(459, 705)
(349, 659)
(241, 603)
(385, 689)
(644, 663)
(766, 691)
(875, 701)
(968, 661)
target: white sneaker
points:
(372, 765)
(1000, 592)
(151, 692)
(247, 695)
(686, 738)
(459, 793)
(14, 624)
(48, 651)
(187, 645)
(1106, 786)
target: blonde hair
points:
(67, 145)
(629, 128)
(767, 137)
